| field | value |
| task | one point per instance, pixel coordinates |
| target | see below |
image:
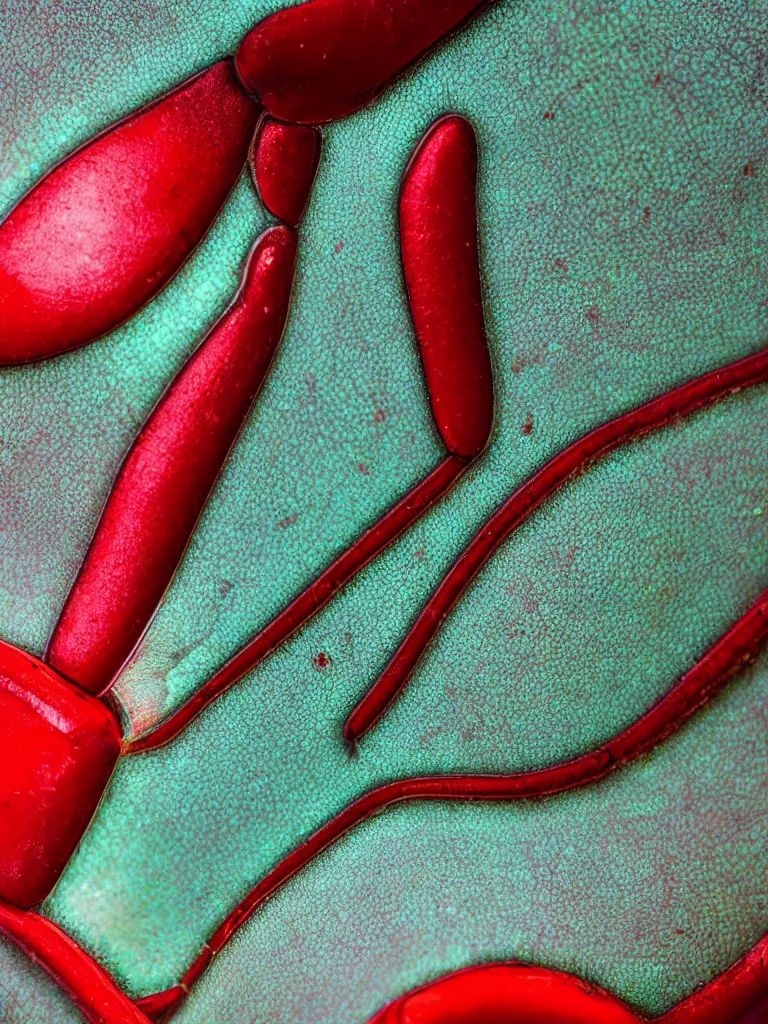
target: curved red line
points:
(86, 983)
(311, 601)
(738, 646)
(516, 509)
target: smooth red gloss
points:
(507, 994)
(168, 473)
(106, 229)
(283, 160)
(58, 747)
(526, 499)
(322, 60)
(438, 238)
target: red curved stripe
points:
(310, 602)
(438, 238)
(86, 983)
(283, 160)
(322, 60)
(726, 657)
(168, 473)
(104, 231)
(680, 402)
(730, 997)
(503, 993)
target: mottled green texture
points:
(623, 252)
(266, 765)
(27, 995)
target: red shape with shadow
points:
(106, 229)
(58, 747)
(504, 993)
(168, 473)
(284, 159)
(438, 238)
(319, 61)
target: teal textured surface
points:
(623, 244)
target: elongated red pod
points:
(283, 161)
(438, 237)
(104, 231)
(325, 59)
(169, 472)
(506, 994)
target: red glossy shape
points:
(526, 499)
(507, 994)
(169, 472)
(739, 645)
(438, 237)
(284, 159)
(58, 747)
(102, 233)
(86, 983)
(322, 60)
(310, 602)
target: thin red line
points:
(310, 602)
(574, 459)
(86, 983)
(739, 645)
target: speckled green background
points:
(624, 250)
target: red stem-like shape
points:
(86, 983)
(739, 645)
(311, 601)
(680, 402)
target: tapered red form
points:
(169, 472)
(283, 161)
(106, 229)
(322, 60)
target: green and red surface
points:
(623, 229)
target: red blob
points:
(57, 750)
(438, 233)
(169, 472)
(284, 160)
(322, 60)
(507, 994)
(105, 230)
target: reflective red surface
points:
(438, 239)
(169, 472)
(321, 60)
(58, 747)
(283, 162)
(101, 234)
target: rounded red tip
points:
(438, 237)
(322, 60)
(284, 159)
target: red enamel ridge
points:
(654, 414)
(503, 993)
(58, 747)
(106, 229)
(438, 238)
(310, 602)
(283, 161)
(170, 470)
(86, 983)
(739, 645)
(322, 60)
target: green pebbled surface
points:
(624, 248)
(27, 995)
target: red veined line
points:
(311, 601)
(86, 983)
(574, 459)
(737, 647)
